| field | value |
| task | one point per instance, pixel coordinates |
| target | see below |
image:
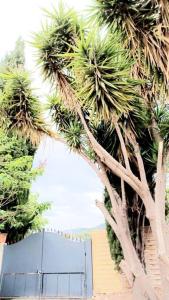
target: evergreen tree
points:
(19, 210)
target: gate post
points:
(1, 255)
(2, 246)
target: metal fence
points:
(47, 265)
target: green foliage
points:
(20, 109)
(102, 71)
(19, 211)
(15, 177)
(55, 39)
(115, 248)
(161, 114)
(12, 61)
(20, 219)
(20, 116)
(60, 114)
(144, 13)
(73, 135)
(68, 124)
(143, 26)
(16, 58)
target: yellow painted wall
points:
(105, 278)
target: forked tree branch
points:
(107, 159)
(69, 96)
(108, 217)
(71, 101)
(139, 187)
(123, 146)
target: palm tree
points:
(144, 28)
(93, 80)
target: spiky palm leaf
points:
(102, 72)
(56, 38)
(67, 123)
(144, 25)
(20, 109)
(161, 114)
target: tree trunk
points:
(160, 234)
(131, 258)
(140, 277)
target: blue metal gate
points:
(47, 264)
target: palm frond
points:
(20, 109)
(161, 114)
(144, 26)
(102, 71)
(57, 37)
(67, 123)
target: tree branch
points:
(123, 194)
(68, 95)
(104, 179)
(127, 272)
(123, 146)
(136, 147)
(108, 217)
(71, 101)
(107, 159)
(160, 183)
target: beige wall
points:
(105, 278)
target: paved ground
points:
(119, 296)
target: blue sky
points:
(68, 182)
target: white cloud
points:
(70, 185)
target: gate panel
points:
(8, 285)
(61, 255)
(50, 282)
(63, 285)
(32, 286)
(16, 285)
(19, 285)
(21, 263)
(77, 285)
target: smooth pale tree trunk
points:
(133, 267)
(162, 244)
